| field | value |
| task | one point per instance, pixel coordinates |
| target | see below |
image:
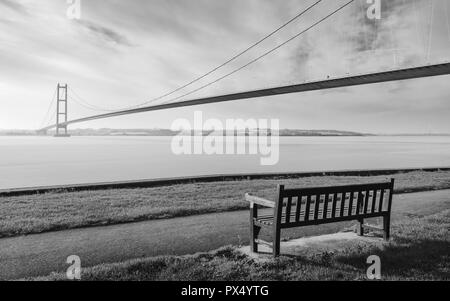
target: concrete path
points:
(301, 246)
(41, 254)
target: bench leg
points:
(386, 227)
(359, 227)
(276, 241)
(254, 232)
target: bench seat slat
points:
(268, 219)
(260, 241)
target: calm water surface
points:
(36, 161)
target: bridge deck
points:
(363, 79)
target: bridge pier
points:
(61, 111)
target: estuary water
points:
(42, 161)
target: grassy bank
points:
(418, 251)
(64, 210)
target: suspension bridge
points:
(396, 74)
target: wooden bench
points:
(320, 205)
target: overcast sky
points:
(122, 53)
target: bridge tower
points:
(61, 111)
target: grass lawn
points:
(418, 250)
(64, 210)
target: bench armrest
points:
(260, 201)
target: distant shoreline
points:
(170, 133)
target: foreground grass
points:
(65, 210)
(419, 250)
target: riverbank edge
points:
(160, 182)
(418, 187)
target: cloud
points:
(180, 40)
(14, 5)
(105, 33)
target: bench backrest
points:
(309, 205)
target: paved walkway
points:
(40, 254)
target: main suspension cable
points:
(263, 55)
